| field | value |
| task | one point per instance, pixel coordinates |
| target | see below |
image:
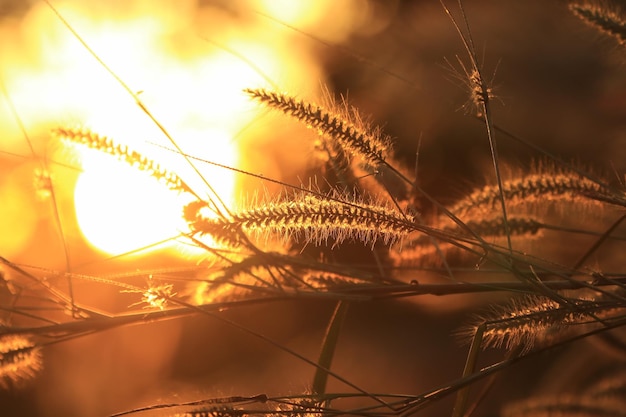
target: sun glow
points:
(189, 78)
(120, 209)
(124, 210)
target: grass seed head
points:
(20, 360)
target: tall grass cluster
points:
(365, 287)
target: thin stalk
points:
(329, 344)
(470, 365)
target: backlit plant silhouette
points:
(361, 229)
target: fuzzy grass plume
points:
(536, 318)
(20, 360)
(542, 188)
(354, 137)
(602, 18)
(317, 219)
(424, 250)
(85, 137)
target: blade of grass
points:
(328, 347)
(470, 365)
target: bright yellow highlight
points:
(15, 202)
(125, 209)
(187, 64)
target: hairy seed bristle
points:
(43, 184)
(302, 407)
(331, 281)
(530, 319)
(202, 222)
(601, 18)
(480, 93)
(155, 296)
(369, 144)
(422, 250)
(533, 188)
(86, 137)
(249, 272)
(20, 360)
(213, 412)
(318, 220)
